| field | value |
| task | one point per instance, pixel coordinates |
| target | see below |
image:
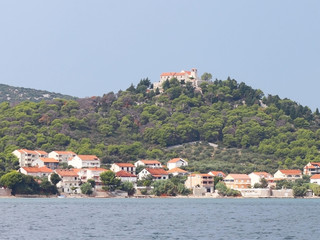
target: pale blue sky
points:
(86, 48)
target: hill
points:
(253, 131)
(20, 94)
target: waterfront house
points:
(125, 176)
(177, 172)
(156, 173)
(82, 161)
(91, 173)
(62, 156)
(26, 157)
(148, 163)
(70, 181)
(312, 168)
(198, 180)
(48, 162)
(256, 177)
(237, 181)
(217, 174)
(176, 163)
(128, 167)
(315, 179)
(36, 171)
(287, 174)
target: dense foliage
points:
(19, 94)
(253, 132)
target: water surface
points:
(159, 219)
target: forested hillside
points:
(253, 131)
(19, 94)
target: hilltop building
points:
(176, 163)
(312, 168)
(183, 77)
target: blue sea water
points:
(159, 219)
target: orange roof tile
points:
(264, 174)
(174, 160)
(49, 160)
(182, 73)
(41, 152)
(37, 170)
(290, 171)
(88, 157)
(177, 170)
(156, 171)
(240, 176)
(27, 151)
(147, 162)
(216, 173)
(67, 173)
(124, 174)
(316, 176)
(125, 164)
(65, 152)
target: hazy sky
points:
(86, 48)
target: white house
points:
(176, 163)
(128, 167)
(91, 173)
(256, 177)
(26, 157)
(287, 174)
(315, 179)
(48, 162)
(183, 77)
(62, 156)
(177, 172)
(148, 163)
(125, 176)
(82, 161)
(69, 180)
(36, 171)
(156, 173)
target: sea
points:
(159, 218)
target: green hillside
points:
(252, 131)
(19, 94)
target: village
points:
(84, 168)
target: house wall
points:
(316, 181)
(60, 157)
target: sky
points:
(88, 48)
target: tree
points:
(299, 191)
(206, 76)
(92, 182)
(55, 178)
(86, 188)
(109, 180)
(47, 187)
(128, 187)
(11, 179)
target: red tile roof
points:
(148, 162)
(290, 171)
(124, 174)
(176, 170)
(37, 170)
(156, 171)
(264, 174)
(67, 173)
(26, 151)
(88, 157)
(240, 176)
(175, 73)
(40, 152)
(125, 164)
(216, 173)
(174, 160)
(49, 160)
(316, 176)
(65, 152)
